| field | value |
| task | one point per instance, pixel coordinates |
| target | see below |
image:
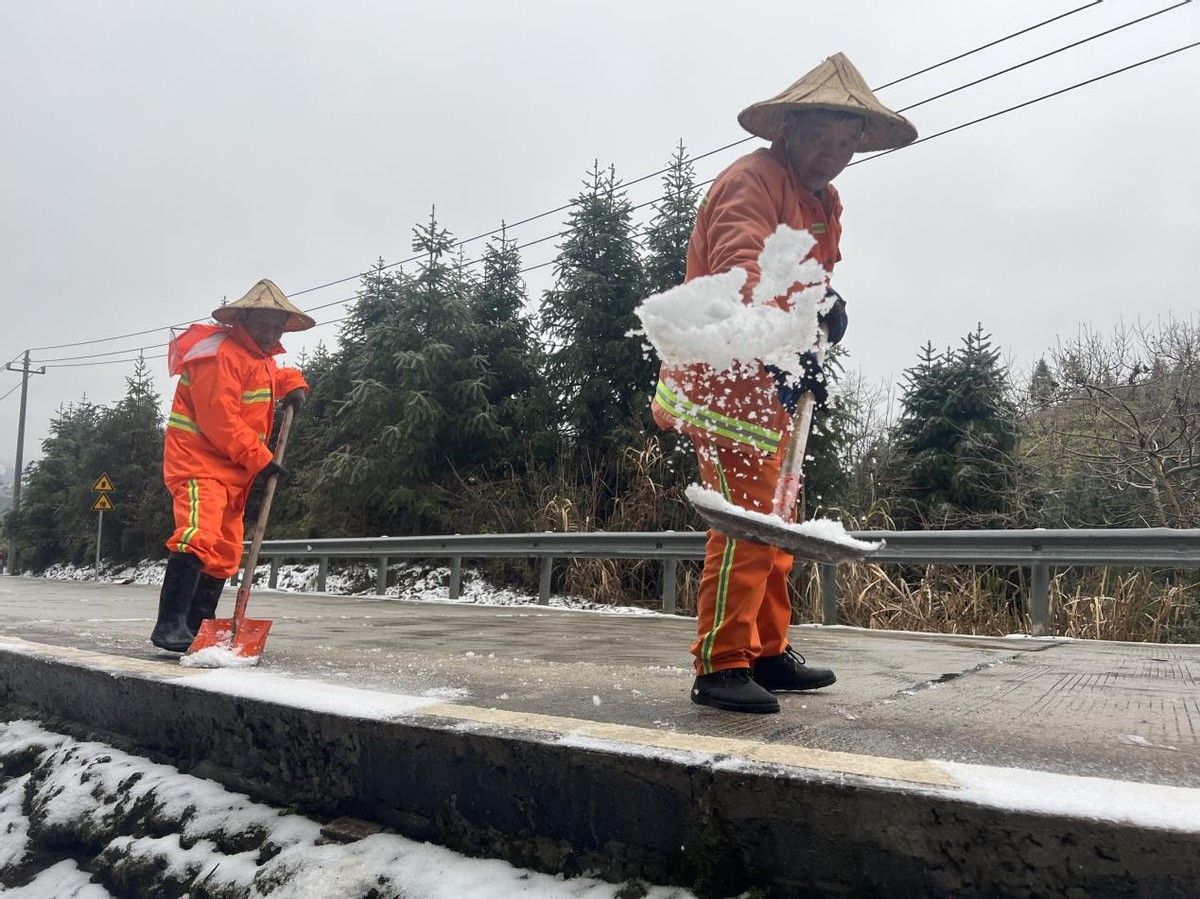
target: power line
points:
(990, 44)
(933, 136)
(107, 361)
(572, 203)
(1039, 99)
(61, 346)
(922, 140)
(136, 349)
(1034, 59)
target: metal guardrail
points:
(1038, 550)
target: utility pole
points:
(25, 371)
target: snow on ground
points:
(74, 790)
(313, 695)
(407, 580)
(1096, 798)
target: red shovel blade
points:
(245, 643)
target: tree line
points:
(455, 402)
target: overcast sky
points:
(158, 157)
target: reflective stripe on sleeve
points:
(182, 422)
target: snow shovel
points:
(817, 541)
(239, 640)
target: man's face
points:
(265, 326)
(819, 146)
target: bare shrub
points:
(1096, 604)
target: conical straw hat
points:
(264, 295)
(837, 86)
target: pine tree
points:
(129, 449)
(671, 226)
(417, 406)
(514, 388)
(1042, 386)
(665, 263)
(955, 437)
(55, 518)
(603, 378)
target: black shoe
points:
(788, 672)
(174, 601)
(733, 690)
(204, 602)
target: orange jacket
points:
(745, 205)
(224, 404)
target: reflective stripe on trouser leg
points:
(208, 523)
(743, 608)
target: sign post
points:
(103, 487)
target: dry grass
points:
(1100, 604)
(1096, 604)
(574, 506)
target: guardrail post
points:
(322, 573)
(668, 591)
(1039, 598)
(273, 582)
(381, 576)
(827, 574)
(455, 577)
(544, 581)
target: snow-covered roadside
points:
(407, 580)
(145, 829)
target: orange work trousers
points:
(208, 523)
(744, 609)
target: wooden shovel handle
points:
(260, 525)
(791, 472)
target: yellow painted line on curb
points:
(917, 772)
(167, 668)
(903, 770)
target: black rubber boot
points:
(788, 672)
(204, 602)
(733, 690)
(179, 585)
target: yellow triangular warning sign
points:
(104, 485)
(102, 503)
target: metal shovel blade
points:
(760, 529)
(245, 642)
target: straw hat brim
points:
(884, 131)
(297, 321)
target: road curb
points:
(563, 795)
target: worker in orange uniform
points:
(216, 446)
(739, 425)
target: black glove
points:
(834, 318)
(274, 468)
(789, 388)
(296, 399)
